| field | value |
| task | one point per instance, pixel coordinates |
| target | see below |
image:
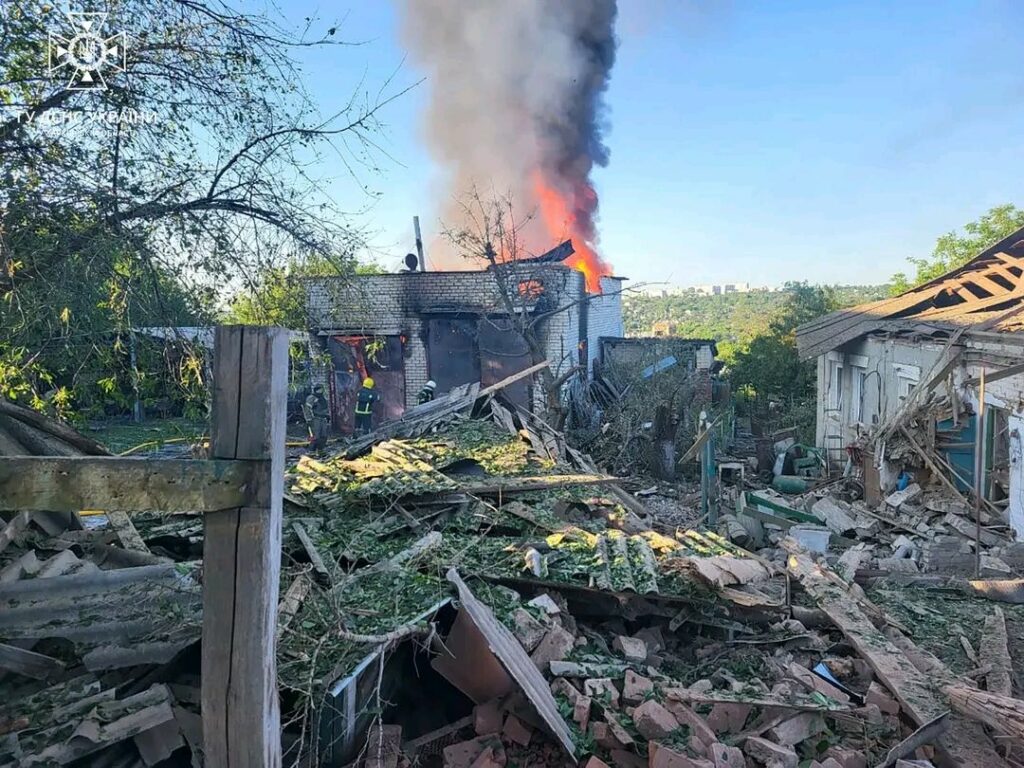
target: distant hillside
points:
(733, 317)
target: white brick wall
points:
(605, 318)
(401, 303)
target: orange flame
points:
(559, 219)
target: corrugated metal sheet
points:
(511, 654)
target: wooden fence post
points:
(242, 553)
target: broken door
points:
(353, 359)
(453, 355)
(503, 352)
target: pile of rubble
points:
(464, 589)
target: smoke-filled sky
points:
(514, 107)
(758, 142)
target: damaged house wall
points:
(975, 311)
(864, 382)
(438, 317)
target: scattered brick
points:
(772, 755)
(635, 688)
(653, 721)
(517, 731)
(487, 718)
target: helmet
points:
(318, 389)
(431, 384)
(368, 382)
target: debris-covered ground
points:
(463, 589)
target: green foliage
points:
(954, 249)
(278, 297)
(770, 370)
(730, 319)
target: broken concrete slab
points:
(835, 515)
(898, 498)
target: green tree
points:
(135, 204)
(770, 366)
(278, 297)
(954, 249)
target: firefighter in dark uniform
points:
(364, 406)
(317, 412)
(427, 393)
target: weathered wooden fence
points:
(239, 492)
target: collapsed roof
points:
(983, 295)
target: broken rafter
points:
(920, 694)
(992, 651)
(524, 484)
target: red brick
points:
(727, 757)
(653, 721)
(487, 759)
(632, 648)
(772, 755)
(635, 687)
(603, 690)
(847, 758)
(487, 718)
(797, 729)
(595, 762)
(463, 754)
(581, 712)
(727, 717)
(880, 698)
(660, 756)
(554, 647)
(701, 735)
(517, 731)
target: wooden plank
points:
(926, 734)
(126, 533)
(292, 602)
(71, 483)
(28, 663)
(1005, 373)
(509, 380)
(242, 553)
(919, 694)
(311, 551)
(521, 484)
(993, 651)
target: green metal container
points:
(790, 484)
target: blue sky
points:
(750, 141)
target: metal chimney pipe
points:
(419, 243)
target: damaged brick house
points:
(878, 362)
(453, 327)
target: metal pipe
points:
(419, 243)
(979, 471)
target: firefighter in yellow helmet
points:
(364, 406)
